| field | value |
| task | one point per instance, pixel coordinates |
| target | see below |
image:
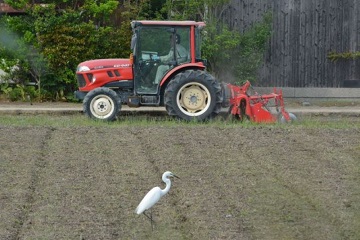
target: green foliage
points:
(232, 56)
(251, 50)
(5, 88)
(334, 56)
(219, 43)
(52, 39)
(18, 92)
(100, 10)
(17, 4)
(199, 10)
(31, 92)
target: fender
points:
(168, 75)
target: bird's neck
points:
(167, 188)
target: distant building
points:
(6, 9)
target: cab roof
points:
(136, 23)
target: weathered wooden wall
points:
(304, 33)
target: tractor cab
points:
(160, 48)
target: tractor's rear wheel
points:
(193, 94)
(102, 104)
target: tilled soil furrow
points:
(237, 182)
(36, 176)
(146, 140)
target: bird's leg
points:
(151, 219)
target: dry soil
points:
(237, 181)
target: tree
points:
(57, 35)
(231, 55)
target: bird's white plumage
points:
(154, 195)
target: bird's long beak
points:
(175, 176)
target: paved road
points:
(69, 108)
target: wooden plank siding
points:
(304, 32)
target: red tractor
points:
(164, 69)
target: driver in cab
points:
(182, 55)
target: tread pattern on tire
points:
(106, 91)
(197, 76)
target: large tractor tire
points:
(102, 104)
(193, 95)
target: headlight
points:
(83, 69)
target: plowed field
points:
(73, 181)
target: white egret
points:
(154, 195)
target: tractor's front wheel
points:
(102, 104)
(193, 94)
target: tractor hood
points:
(103, 64)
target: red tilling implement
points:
(244, 102)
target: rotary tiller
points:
(245, 102)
